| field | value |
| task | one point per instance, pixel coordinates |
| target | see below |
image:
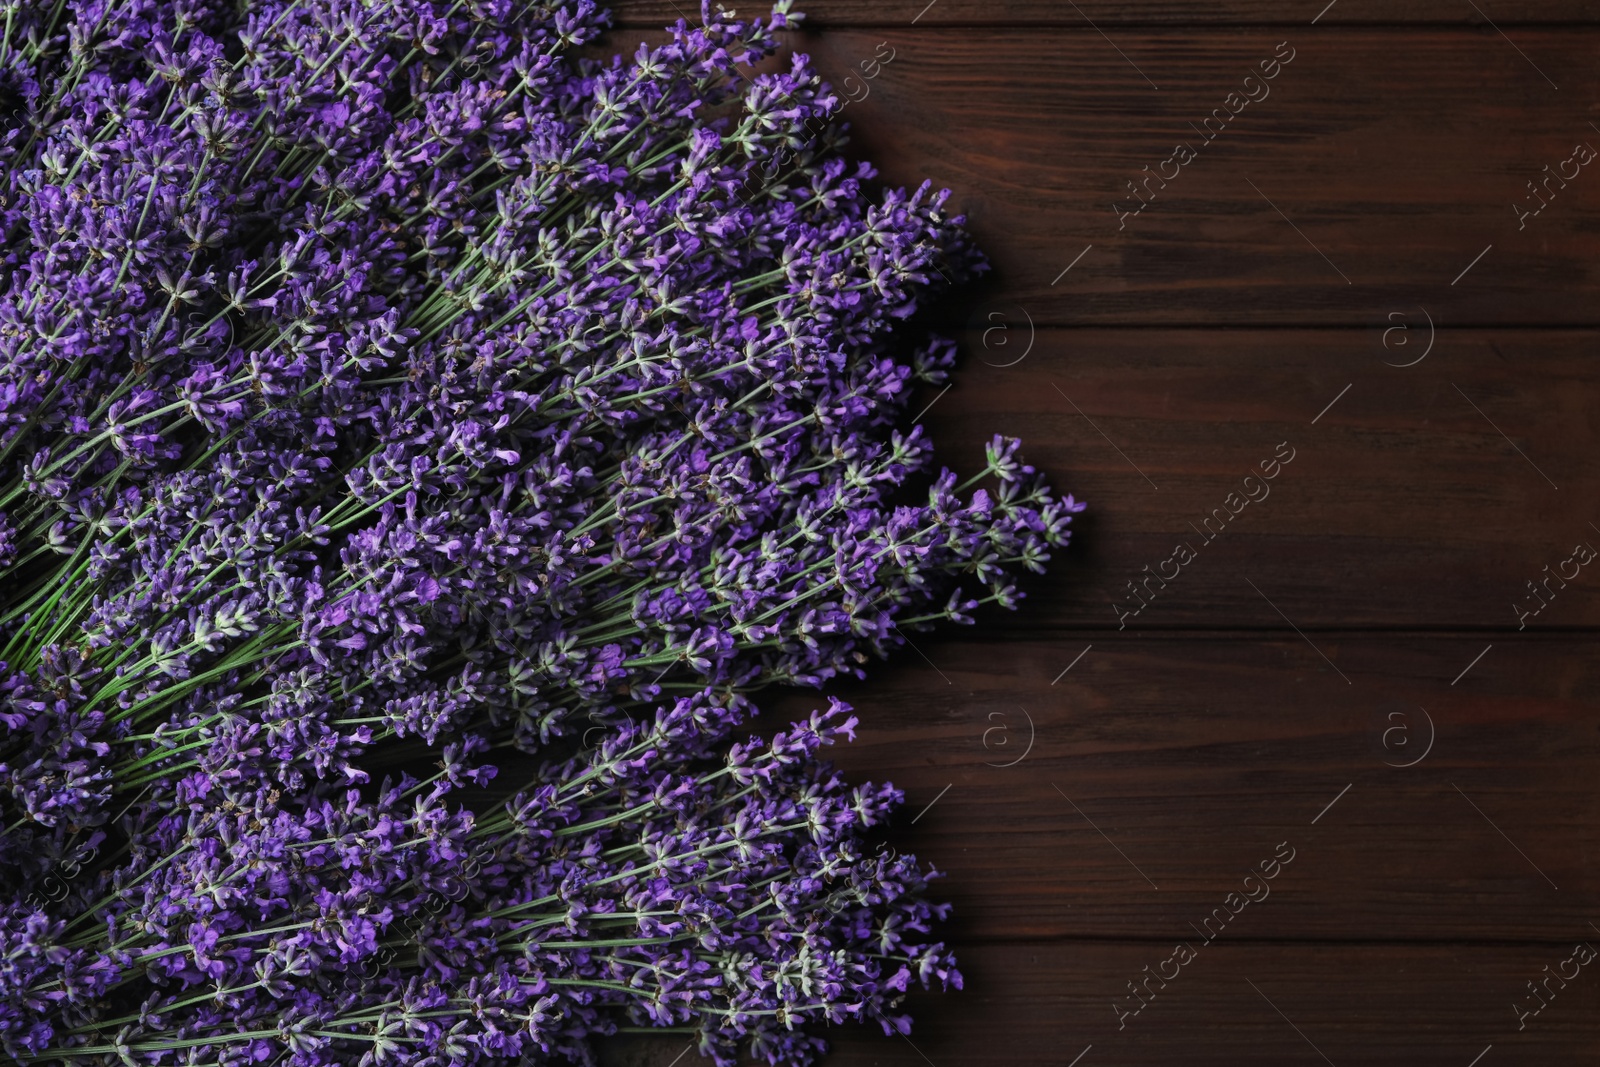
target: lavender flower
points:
(383, 378)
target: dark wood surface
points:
(1419, 500)
(1056, 13)
(1352, 668)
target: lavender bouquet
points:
(382, 379)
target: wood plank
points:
(1390, 159)
(1184, 762)
(1045, 1003)
(1378, 1005)
(1419, 498)
(901, 13)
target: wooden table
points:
(1377, 667)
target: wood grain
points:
(1381, 165)
(1052, 14)
(1418, 499)
(1389, 1005)
(1163, 769)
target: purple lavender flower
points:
(382, 379)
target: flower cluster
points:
(636, 888)
(384, 378)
